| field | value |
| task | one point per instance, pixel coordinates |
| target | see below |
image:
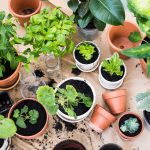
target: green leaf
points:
(1, 72)
(70, 112)
(142, 96)
(148, 66)
(52, 109)
(1, 117)
(34, 114)
(24, 110)
(2, 15)
(142, 51)
(135, 37)
(9, 56)
(21, 123)
(73, 4)
(16, 113)
(83, 9)
(99, 24)
(108, 11)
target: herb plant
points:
(99, 12)
(113, 65)
(130, 125)
(86, 50)
(49, 32)
(25, 114)
(7, 127)
(67, 98)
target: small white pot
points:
(108, 84)
(83, 116)
(87, 67)
(6, 144)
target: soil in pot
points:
(69, 145)
(31, 129)
(147, 116)
(38, 73)
(81, 87)
(110, 146)
(114, 77)
(1, 142)
(26, 11)
(81, 59)
(127, 133)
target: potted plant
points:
(112, 72)
(101, 119)
(140, 10)
(72, 100)
(119, 37)
(23, 10)
(129, 126)
(50, 31)
(110, 146)
(93, 15)
(116, 100)
(69, 144)
(8, 129)
(86, 55)
(30, 117)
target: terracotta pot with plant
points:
(116, 100)
(129, 126)
(110, 146)
(93, 15)
(24, 9)
(118, 37)
(30, 118)
(101, 119)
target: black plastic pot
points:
(111, 146)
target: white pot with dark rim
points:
(109, 84)
(66, 117)
(87, 67)
(6, 144)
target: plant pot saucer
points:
(109, 87)
(11, 87)
(91, 70)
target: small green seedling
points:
(86, 50)
(113, 65)
(25, 114)
(130, 125)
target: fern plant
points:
(113, 65)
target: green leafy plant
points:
(130, 125)
(25, 114)
(135, 37)
(49, 32)
(86, 50)
(141, 10)
(67, 98)
(99, 12)
(143, 101)
(113, 65)
(7, 127)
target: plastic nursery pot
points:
(5, 144)
(81, 85)
(116, 100)
(33, 130)
(24, 9)
(84, 64)
(127, 135)
(101, 119)
(118, 37)
(69, 145)
(111, 85)
(110, 146)
(11, 80)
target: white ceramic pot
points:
(6, 144)
(108, 84)
(83, 116)
(86, 67)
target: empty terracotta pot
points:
(144, 66)
(116, 100)
(118, 37)
(24, 9)
(101, 119)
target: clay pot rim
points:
(113, 94)
(123, 135)
(15, 72)
(110, 42)
(24, 16)
(42, 130)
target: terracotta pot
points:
(42, 130)
(17, 7)
(123, 136)
(118, 37)
(116, 100)
(101, 119)
(144, 66)
(110, 146)
(11, 80)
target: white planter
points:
(108, 84)
(87, 67)
(6, 144)
(81, 117)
